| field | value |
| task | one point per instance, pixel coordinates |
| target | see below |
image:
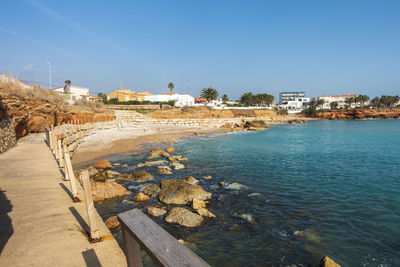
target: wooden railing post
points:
(56, 152)
(60, 154)
(94, 230)
(133, 256)
(71, 177)
(65, 150)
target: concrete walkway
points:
(39, 223)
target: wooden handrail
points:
(138, 230)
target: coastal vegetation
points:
(171, 86)
(209, 94)
(248, 99)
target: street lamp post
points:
(48, 63)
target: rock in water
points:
(207, 177)
(155, 211)
(170, 149)
(177, 158)
(101, 191)
(112, 222)
(205, 213)
(328, 262)
(247, 217)
(174, 191)
(176, 165)
(92, 171)
(190, 180)
(150, 189)
(124, 177)
(140, 197)
(151, 163)
(184, 217)
(308, 234)
(141, 176)
(117, 164)
(157, 152)
(256, 125)
(102, 164)
(236, 186)
(197, 204)
(164, 170)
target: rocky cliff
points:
(358, 114)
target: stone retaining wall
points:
(8, 138)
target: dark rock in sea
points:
(328, 262)
(156, 211)
(255, 195)
(190, 180)
(170, 149)
(124, 177)
(256, 125)
(151, 163)
(102, 164)
(141, 197)
(176, 165)
(184, 217)
(141, 176)
(150, 189)
(164, 170)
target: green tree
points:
(224, 99)
(209, 93)
(67, 86)
(320, 103)
(334, 105)
(171, 86)
(103, 96)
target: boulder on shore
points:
(176, 165)
(101, 190)
(328, 262)
(170, 149)
(112, 222)
(184, 217)
(164, 170)
(174, 191)
(157, 152)
(150, 189)
(256, 125)
(102, 164)
(197, 204)
(155, 211)
(124, 177)
(141, 176)
(140, 197)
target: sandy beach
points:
(120, 140)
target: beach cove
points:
(310, 190)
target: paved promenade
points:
(39, 223)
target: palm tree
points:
(334, 105)
(171, 86)
(225, 99)
(209, 93)
(321, 103)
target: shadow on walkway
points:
(6, 229)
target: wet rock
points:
(207, 177)
(111, 173)
(176, 165)
(177, 158)
(190, 180)
(236, 186)
(247, 217)
(92, 171)
(222, 184)
(255, 195)
(214, 187)
(151, 163)
(174, 191)
(101, 191)
(140, 197)
(141, 176)
(164, 170)
(112, 222)
(150, 189)
(205, 213)
(116, 164)
(181, 241)
(309, 235)
(184, 217)
(197, 204)
(155, 211)
(328, 262)
(125, 165)
(102, 164)
(256, 125)
(124, 177)
(170, 149)
(157, 152)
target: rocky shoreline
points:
(358, 114)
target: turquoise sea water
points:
(325, 188)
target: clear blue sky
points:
(321, 47)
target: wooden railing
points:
(139, 231)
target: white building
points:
(75, 93)
(340, 99)
(180, 100)
(296, 105)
